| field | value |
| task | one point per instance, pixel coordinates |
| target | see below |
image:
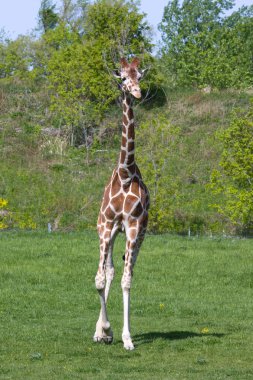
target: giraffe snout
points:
(136, 92)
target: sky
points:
(20, 16)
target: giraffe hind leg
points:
(103, 331)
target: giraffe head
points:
(130, 77)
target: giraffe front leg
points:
(126, 336)
(130, 258)
(135, 238)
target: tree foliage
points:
(234, 178)
(80, 64)
(15, 57)
(48, 17)
(203, 47)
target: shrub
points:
(234, 177)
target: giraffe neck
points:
(126, 160)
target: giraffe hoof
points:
(108, 339)
(103, 337)
(97, 339)
(128, 344)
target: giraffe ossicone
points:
(124, 208)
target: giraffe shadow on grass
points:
(170, 336)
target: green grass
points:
(181, 288)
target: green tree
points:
(202, 47)
(15, 57)
(48, 18)
(80, 66)
(234, 178)
(186, 32)
(118, 28)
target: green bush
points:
(234, 177)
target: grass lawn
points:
(192, 309)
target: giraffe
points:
(124, 208)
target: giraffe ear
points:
(124, 62)
(135, 62)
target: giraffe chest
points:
(122, 202)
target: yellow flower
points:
(205, 330)
(161, 306)
(33, 225)
(3, 202)
(3, 226)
